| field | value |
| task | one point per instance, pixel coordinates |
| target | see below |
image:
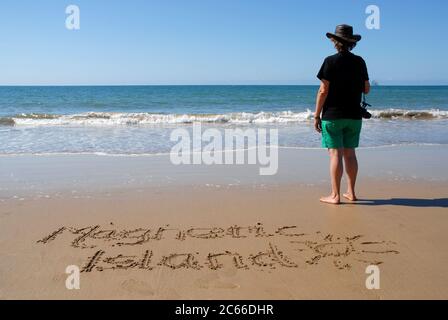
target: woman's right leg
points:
(336, 172)
(351, 168)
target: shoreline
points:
(33, 175)
(105, 154)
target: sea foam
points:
(141, 119)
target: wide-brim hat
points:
(344, 32)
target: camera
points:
(364, 113)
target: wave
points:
(116, 118)
(409, 114)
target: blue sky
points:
(215, 41)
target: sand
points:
(204, 236)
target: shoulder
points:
(332, 58)
(359, 58)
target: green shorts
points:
(341, 133)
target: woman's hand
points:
(320, 101)
(318, 124)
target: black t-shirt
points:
(347, 74)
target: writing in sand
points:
(122, 249)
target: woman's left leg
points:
(351, 168)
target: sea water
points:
(124, 120)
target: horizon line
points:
(212, 85)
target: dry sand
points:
(308, 249)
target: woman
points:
(344, 78)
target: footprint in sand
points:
(140, 287)
(212, 281)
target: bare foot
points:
(331, 199)
(350, 196)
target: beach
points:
(139, 227)
(182, 151)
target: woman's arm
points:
(366, 87)
(320, 101)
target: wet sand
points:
(206, 237)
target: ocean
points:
(137, 120)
